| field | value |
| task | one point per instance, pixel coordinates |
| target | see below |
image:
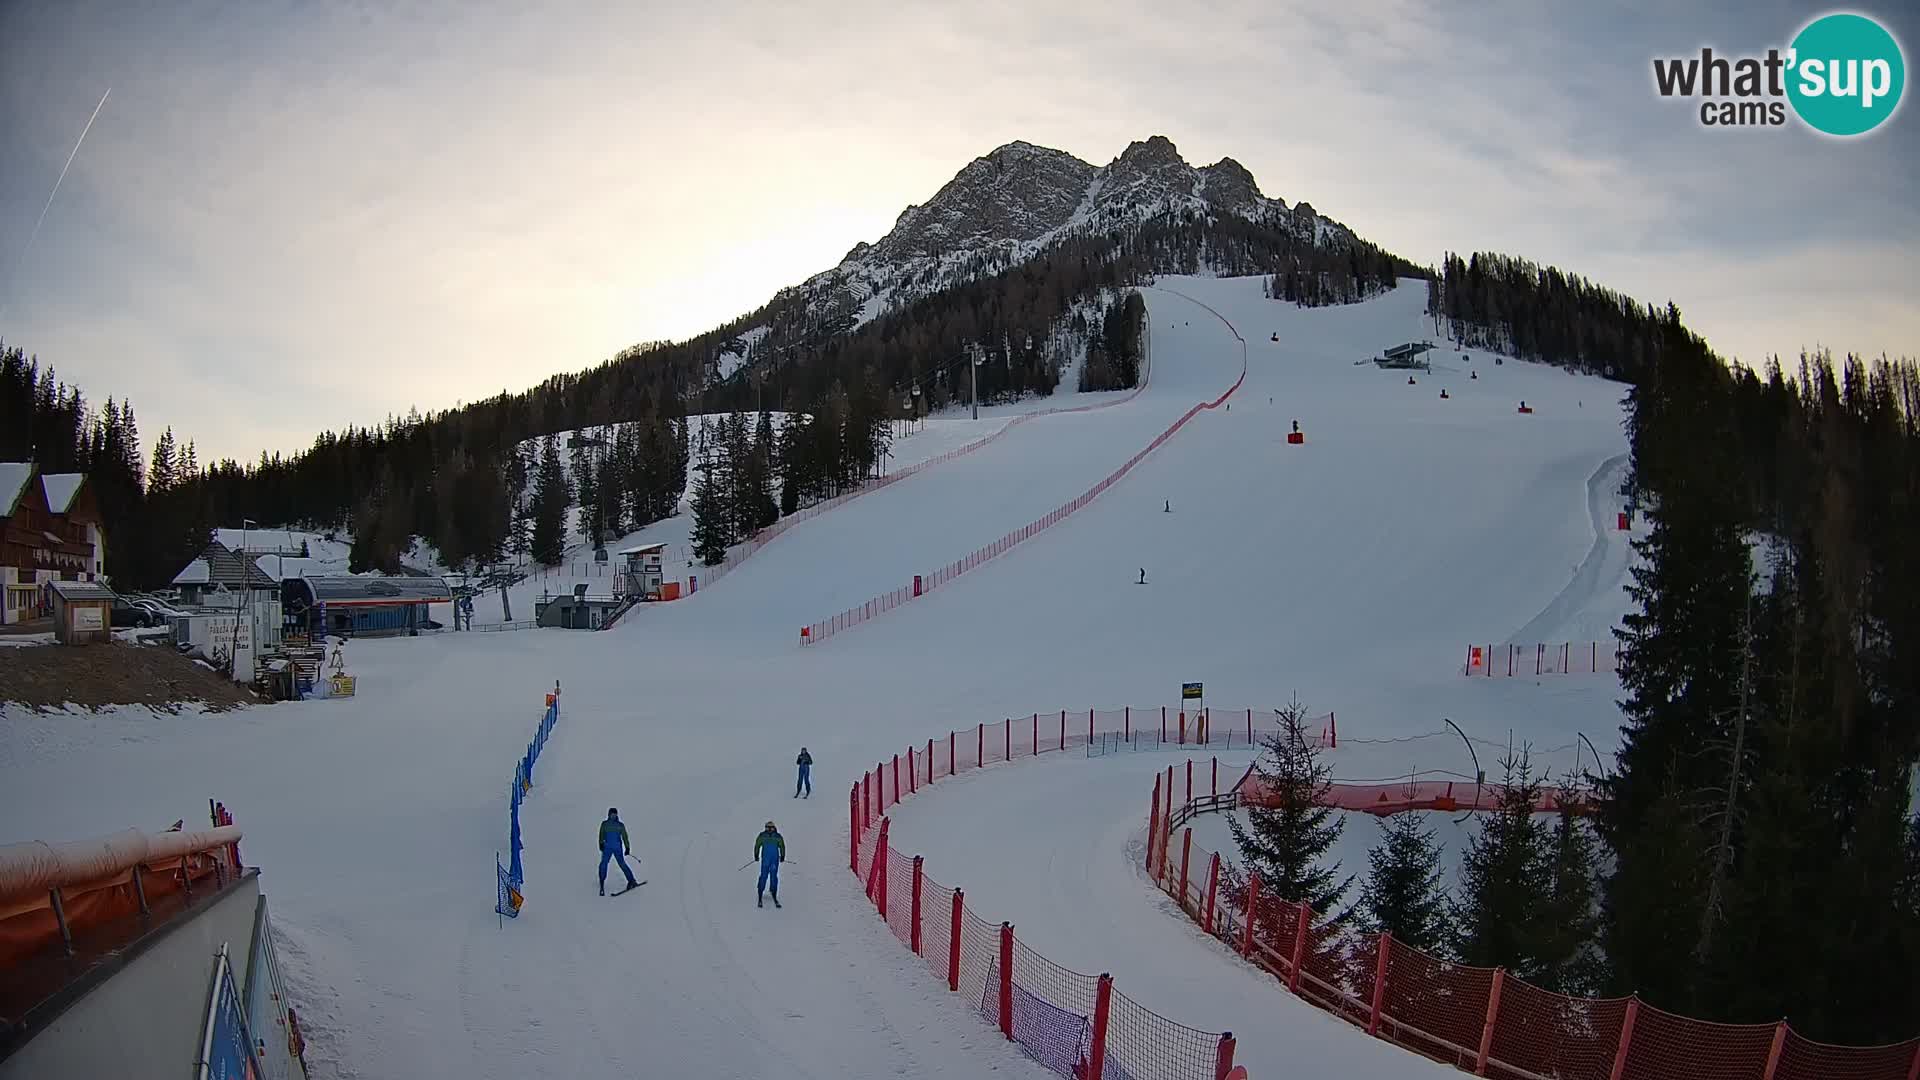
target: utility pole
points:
(973, 378)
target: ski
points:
(631, 887)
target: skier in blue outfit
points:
(805, 761)
(771, 850)
(613, 841)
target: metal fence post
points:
(1102, 1004)
(853, 828)
(1006, 979)
(1153, 823)
(953, 940)
(1379, 981)
(916, 904)
(1626, 1038)
(1493, 1017)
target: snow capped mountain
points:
(1008, 206)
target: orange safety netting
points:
(1442, 1009)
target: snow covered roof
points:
(643, 549)
(13, 480)
(61, 488)
(81, 590)
(347, 590)
(281, 567)
(196, 572)
(267, 540)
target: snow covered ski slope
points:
(1352, 569)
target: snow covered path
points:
(1080, 897)
(1353, 569)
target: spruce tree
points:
(586, 482)
(1286, 839)
(709, 535)
(1570, 961)
(551, 500)
(1503, 905)
(1403, 893)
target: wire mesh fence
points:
(925, 583)
(1483, 1020)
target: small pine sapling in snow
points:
(1403, 894)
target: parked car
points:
(126, 613)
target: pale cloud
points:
(293, 217)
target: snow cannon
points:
(1525, 408)
(1626, 520)
(1443, 393)
(1473, 374)
(1275, 337)
(1296, 437)
(1409, 380)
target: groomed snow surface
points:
(1352, 570)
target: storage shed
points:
(82, 612)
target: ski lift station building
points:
(365, 606)
(1406, 355)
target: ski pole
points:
(744, 865)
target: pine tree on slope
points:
(1403, 894)
(1503, 904)
(1285, 842)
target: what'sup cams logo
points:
(1842, 75)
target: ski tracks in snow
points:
(1606, 561)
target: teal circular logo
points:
(1846, 74)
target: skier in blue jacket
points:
(613, 841)
(805, 761)
(771, 850)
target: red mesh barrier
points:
(1540, 1033)
(1804, 1059)
(936, 925)
(900, 896)
(1144, 1045)
(886, 602)
(1435, 1007)
(979, 953)
(1662, 1041)
(1052, 983)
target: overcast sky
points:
(294, 217)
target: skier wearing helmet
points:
(771, 849)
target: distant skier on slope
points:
(805, 779)
(614, 841)
(771, 849)
(1143, 576)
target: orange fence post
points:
(1773, 1052)
(1302, 923)
(1006, 979)
(1493, 1016)
(916, 904)
(1213, 887)
(953, 940)
(882, 863)
(1186, 856)
(1153, 823)
(1102, 1004)
(1223, 1058)
(1379, 981)
(873, 869)
(1626, 1038)
(853, 827)
(1183, 727)
(1253, 915)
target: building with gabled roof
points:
(50, 530)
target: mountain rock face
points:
(1008, 206)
